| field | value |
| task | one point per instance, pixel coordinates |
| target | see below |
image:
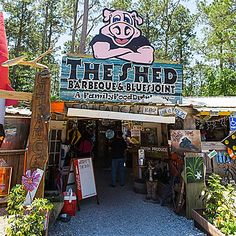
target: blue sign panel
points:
(115, 80)
(232, 122)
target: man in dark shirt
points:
(118, 149)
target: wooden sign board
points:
(37, 155)
(156, 152)
(185, 140)
(207, 146)
(84, 178)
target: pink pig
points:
(121, 38)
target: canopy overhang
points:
(97, 114)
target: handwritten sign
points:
(84, 178)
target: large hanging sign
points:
(122, 69)
(87, 79)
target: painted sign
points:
(114, 80)
(232, 122)
(194, 168)
(166, 111)
(121, 38)
(230, 141)
(31, 190)
(5, 180)
(180, 112)
(150, 110)
(185, 140)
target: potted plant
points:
(219, 215)
(26, 220)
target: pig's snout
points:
(122, 31)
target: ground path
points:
(123, 212)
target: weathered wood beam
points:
(37, 155)
(13, 95)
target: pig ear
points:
(137, 18)
(107, 15)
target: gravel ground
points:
(123, 212)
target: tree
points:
(85, 15)
(217, 48)
(169, 26)
(121, 5)
(219, 43)
(22, 36)
(31, 28)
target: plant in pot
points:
(26, 220)
(220, 205)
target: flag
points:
(4, 71)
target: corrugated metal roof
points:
(202, 104)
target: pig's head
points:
(121, 26)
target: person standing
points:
(86, 146)
(118, 149)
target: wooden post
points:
(193, 190)
(189, 121)
(37, 155)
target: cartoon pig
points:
(121, 38)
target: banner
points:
(115, 80)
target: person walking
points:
(118, 150)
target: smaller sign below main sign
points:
(150, 110)
(212, 154)
(232, 122)
(166, 111)
(180, 112)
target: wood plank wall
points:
(14, 159)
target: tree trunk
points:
(74, 30)
(18, 43)
(84, 28)
(44, 38)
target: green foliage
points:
(16, 199)
(26, 220)
(32, 27)
(220, 202)
(169, 26)
(121, 5)
(219, 42)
